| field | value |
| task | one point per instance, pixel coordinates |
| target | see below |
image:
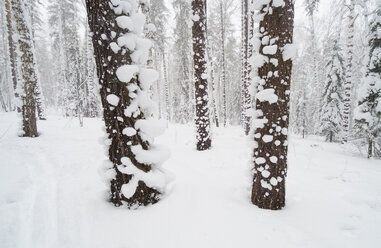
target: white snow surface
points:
(51, 194)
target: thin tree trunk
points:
(247, 22)
(12, 50)
(349, 73)
(27, 60)
(272, 107)
(166, 86)
(223, 76)
(370, 148)
(200, 74)
(215, 111)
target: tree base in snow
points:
(143, 196)
(261, 198)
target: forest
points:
(190, 123)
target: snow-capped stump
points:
(136, 163)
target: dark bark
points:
(28, 72)
(101, 18)
(201, 84)
(270, 154)
(349, 71)
(370, 148)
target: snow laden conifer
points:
(121, 53)
(200, 75)
(331, 111)
(368, 113)
(272, 76)
(26, 66)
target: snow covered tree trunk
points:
(166, 86)
(200, 74)
(223, 76)
(27, 68)
(270, 125)
(92, 100)
(41, 109)
(12, 49)
(349, 72)
(246, 101)
(133, 163)
(213, 93)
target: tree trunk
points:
(166, 86)
(215, 111)
(40, 101)
(370, 148)
(223, 76)
(247, 27)
(272, 107)
(200, 74)
(349, 73)
(27, 69)
(12, 50)
(102, 22)
(330, 136)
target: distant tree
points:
(270, 125)
(121, 58)
(27, 68)
(201, 83)
(182, 68)
(349, 70)
(12, 48)
(368, 112)
(331, 112)
(245, 95)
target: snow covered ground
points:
(51, 194)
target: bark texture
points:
(246, 101)
(101, 18)
(28, 73)
(271, 123)
(200, 73)
(349, 71)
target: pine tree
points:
(368, 112)
(201, 83)
(331, 113)
(270, 125)
(27, 68)
(121, 57)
